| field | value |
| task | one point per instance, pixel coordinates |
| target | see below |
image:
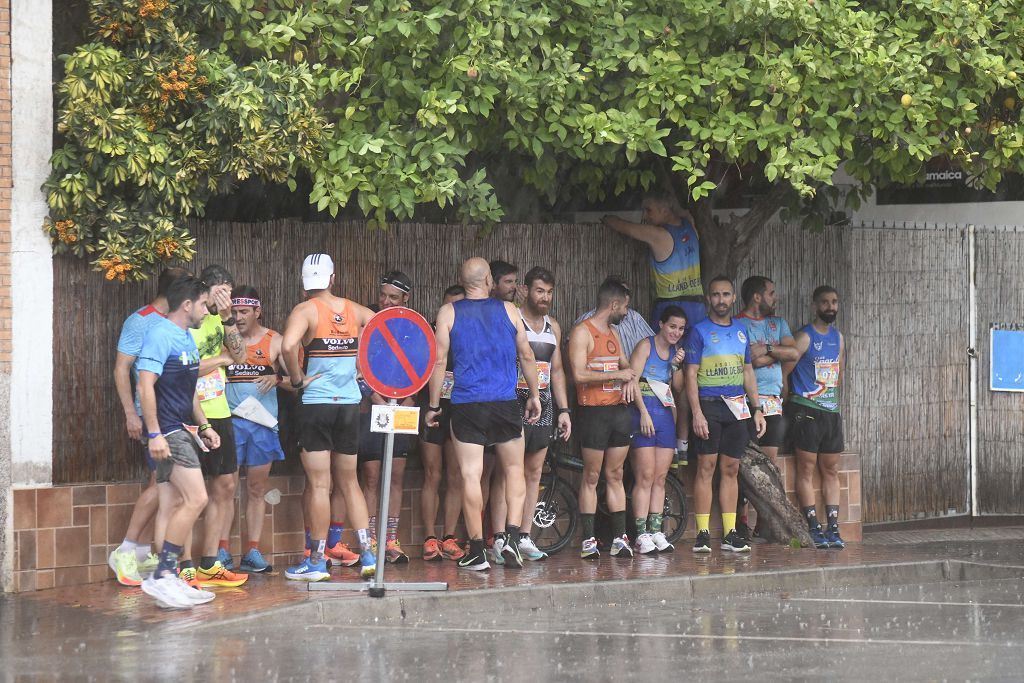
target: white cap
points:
(317, 270)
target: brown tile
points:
(44, 579)
(98, 554)
(854, 513)
(90, 495)
(118, 517)
(123, 493)
(849, 461)
(24, 509)
(98, 524)
(844, 480)
(72, 547)
(289, 542)
(288, 514)
(26, 545)
(70, 576)
(98, 573)
(24, 581)
(44, 549)
(80, 516)
(53, 507)
(855, 487)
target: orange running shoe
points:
(394, 554)
(452, 550)
(188, 575)
(431, 550)
(341, 554)
(217, 575)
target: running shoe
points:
(512, 556)
(498, 550)
(167, 592)
(254, 563)
(393, 553)
(148, 565)
(644, 544)
(744, 531)
(330, 563)
(530, 550)
(474, 563)
(432, 550)
(308, 570)
(194, 593)
(834, 539)
(621, 547)
(818, 538)
(217, 575)
(661, 542)
(703, 542)
(735, 543)
(188, 575)
(224, 557)
(342, 554)
(367, 564)
(125, 566)
(451, 549)
(589, 551)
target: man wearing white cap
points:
(327, 328)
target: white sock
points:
(127, 546)
(142, 551)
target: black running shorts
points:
(329, 427)
(371, 444)
(774, 433)
(814, 430)
(538, 437)
(442, 432)
(604, 427)
(487, 423)
(224, 459)
(726, 434)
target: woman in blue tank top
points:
(658, 360)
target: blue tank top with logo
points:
(679, 274)
(815, 378)
(483, 344)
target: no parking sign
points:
(397, 352)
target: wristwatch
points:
(230, 322)
(434, 409)
(297, 385)
(768, 348)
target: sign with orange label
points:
(395, 419)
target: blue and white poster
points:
(1006, 372)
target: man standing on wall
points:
(328, 328)
(814, 417)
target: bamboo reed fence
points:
(903, 313)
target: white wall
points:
(31, 423)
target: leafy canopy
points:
(402, 103)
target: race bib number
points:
(543, 376)
(194, 431)
(826, 373)
(448, 384)
(663, 392)
(210, 386)
(771, 405)
(615, 384)
(738, 406)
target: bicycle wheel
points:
(554, 518)
(674, 517)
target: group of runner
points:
(207, 373)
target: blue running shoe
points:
(368, 564)
(224, 557)
(834, 539)
(254, 563)
(308, 571)
(818, 538)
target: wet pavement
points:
(780, 613)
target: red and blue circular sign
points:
(397, 352)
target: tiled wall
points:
(64, 534)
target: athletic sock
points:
(207, 562)
(619, 524)
(448, 537)
(523, 535)
(373, 527)
(254, 545)
(476, 547)
(316, 551)
(186, 564)
(308, 539)
(392, 529)
(728, 522)
(169, 555)
(833, 517)
(812, 518)
(641, 526)
(654, 521)
(703, 521)
(126, 546)
(334, 534)
(142, 551)
(587, 520)
(225, 544)
(364, 539)
(512, 533)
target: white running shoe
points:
(645, 544)
(530, 550)
(621, 547)
(498, 550)
(167, 592)
(197, 595)
(661, 543)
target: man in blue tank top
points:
(486, 337)
(813, 414)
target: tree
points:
(400, 104)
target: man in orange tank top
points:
(604, 385)
(328, 328)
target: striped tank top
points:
(332, 354)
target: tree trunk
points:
(778, 520)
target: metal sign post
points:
(396, 357)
